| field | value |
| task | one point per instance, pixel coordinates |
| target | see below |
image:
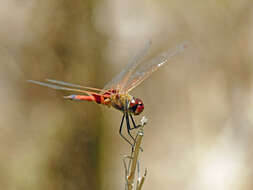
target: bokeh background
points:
(200, 106)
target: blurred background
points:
(200, 131)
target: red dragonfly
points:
(116, 93)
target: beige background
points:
(199, 107)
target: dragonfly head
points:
(136, 106)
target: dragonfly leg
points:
(129, 127)
(135, 126)
(120, 131)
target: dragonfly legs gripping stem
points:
(126, 115)
(120, 131)
(128, 129)
(135, 126)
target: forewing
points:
(120, 80)
(56, 87)
(145, 70)
(74, 85)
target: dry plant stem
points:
(133, 161)
(138, 173)
(140, 184)
(130, 178)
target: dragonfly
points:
(116, 93)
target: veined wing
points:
(74, 85)
(120, 80)
(56, 87)
(145, 70)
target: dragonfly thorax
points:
(126, 102)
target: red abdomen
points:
(100, 99)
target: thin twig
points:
(138, 173)
(133, 162)
(126, 170)
(130, 178)
(140, 184)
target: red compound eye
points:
(132, 103)
(140, 106)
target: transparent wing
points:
(74, 85)
(145, 70)
(119, 81)
(56, 87)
